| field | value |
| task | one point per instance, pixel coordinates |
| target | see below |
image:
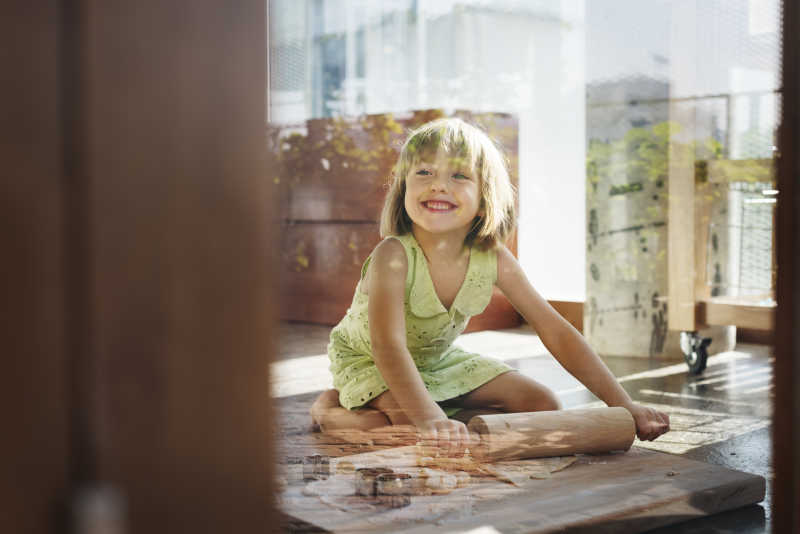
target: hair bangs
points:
(454, 138)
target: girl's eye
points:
(459, 176)
(423, 172)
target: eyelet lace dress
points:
(447, 370)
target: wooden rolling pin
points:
(514, 436)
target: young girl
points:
(448, 210)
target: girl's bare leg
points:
(330, 415)
(511, 392)
(387, 405)
(465, 415)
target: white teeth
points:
(438, 205)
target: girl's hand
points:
(448, 435)
(650, 423)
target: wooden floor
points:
(721, 417)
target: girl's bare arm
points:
(387, 327)
(565, 343)
(570, 348)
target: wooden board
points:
(681, 250)
(631, 492)
(739, 312)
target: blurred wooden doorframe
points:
(786, 409)
(138, 289)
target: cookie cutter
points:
(395, 489)
(365, 479)
(316, 467)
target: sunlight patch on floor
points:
(483, 530)
(300, 375)
(735, 383)
(732, 374)
(678, 368)
(693, 397)
(758, 390)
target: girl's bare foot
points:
(330, 415)
(326, 401)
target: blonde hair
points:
(471, 145)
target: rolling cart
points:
(721, 257)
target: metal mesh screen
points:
(287, 47)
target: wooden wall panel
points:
(327, 196)
(34, 387)
(571, 311)
(320, 266)
(498, 314)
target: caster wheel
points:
(694, 351)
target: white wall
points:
(552, 233)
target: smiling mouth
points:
(438, 205)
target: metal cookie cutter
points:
(395, 489)
(365, 479)
(316, 467)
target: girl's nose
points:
(439, 182)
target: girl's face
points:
(442, 195)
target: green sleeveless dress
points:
(446, 370)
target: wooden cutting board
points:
(632, 492)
